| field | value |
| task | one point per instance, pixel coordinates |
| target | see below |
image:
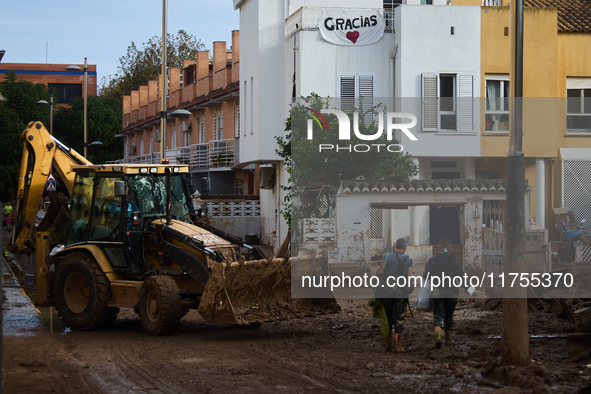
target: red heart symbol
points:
(353, 36)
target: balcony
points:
(306, 18)
(213, 154)
(150, 158)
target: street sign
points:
(50, 184)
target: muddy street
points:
(332, 353)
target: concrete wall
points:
(263, 106)
(425, 44)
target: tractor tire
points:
(160, 305)
(83, 293)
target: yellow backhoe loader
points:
(127, 236)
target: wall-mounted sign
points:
(354, 27)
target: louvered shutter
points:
(347, 87)
(466, 103)
(366, 95)
(429, 92)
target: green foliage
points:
(314, 175)
(140, 65)
(21, 107)
(103, 123)
(16, 112)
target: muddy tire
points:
(160, 305)
(83, 293)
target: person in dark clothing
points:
(445, 296)
(394, 300)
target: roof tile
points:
(573, 15)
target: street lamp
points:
(76, 68)
(179, 113)
(164, 83)
(93, 144)
(50, 112)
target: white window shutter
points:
(366, 95)
(430, 107)
(466, 103)
(347, 92)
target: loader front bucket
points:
(260, 291)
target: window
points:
(356, 92)
(173, 139)
(447, 102)
(389, 4)
(220, 129)
(66, 92)
(497, 103)
(202, 132)
(187, 139)
(141, 146)
(578, 105)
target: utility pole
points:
(163, 87)
(515, 344)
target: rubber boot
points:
(437, 332)
(389, 343)
(448, 340)
(398, 343)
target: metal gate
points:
(493, 238)
(576, 193)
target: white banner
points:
(354, 27)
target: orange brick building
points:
(207, 140)
(68, 84)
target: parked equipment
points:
(128, 236)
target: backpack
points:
(402, 271)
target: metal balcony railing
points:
(212, 154)
(221, 153)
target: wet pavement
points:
(20, 317)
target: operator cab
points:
(111, 205)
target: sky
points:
(66, 31)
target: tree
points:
(103, 124)
(140, 65)
(315, 174)
(16, 112)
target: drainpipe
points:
(393, 66)
(414, 214)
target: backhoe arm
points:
(42, 153)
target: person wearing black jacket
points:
(445, 296)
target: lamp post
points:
(164, 83)
(50, 112)
(76, 68)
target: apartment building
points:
(207, 139)
(449, 65)
(68, 85)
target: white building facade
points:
(425, 51)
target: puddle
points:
(21, 310)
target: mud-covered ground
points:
(332, 353)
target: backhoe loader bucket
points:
(243, 293)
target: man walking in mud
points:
(395, 298)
